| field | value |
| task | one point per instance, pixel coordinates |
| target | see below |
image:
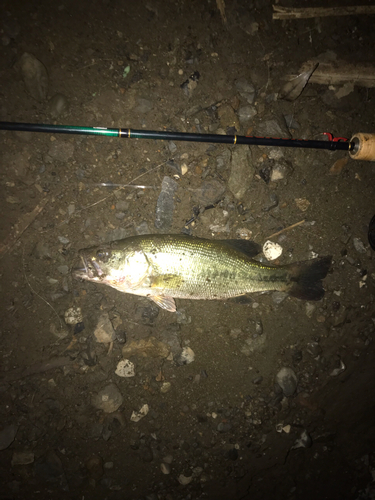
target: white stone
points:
(125, 368)
(73, 315)
(272, 250)
(138, 415)
(187, 355)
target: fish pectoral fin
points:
(166, 303)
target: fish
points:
(164, 267)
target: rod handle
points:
(363, 146)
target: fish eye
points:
(103, 255)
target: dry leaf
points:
(338, 166)
(302, 204)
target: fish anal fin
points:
(241, 299)
(166, 303)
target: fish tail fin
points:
(306, 278)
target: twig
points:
(34, 292)
(21, 227)
(287, 228)
(306, 13)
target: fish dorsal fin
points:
(166, 303)
(249, 248)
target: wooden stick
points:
(41, 367)
(286, 229)
(341, 72)
(21, 227)
(301, 13)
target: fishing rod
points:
(360, 147)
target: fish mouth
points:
(88, 269)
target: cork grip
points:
(363, 147)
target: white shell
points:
(272, 250)
(125, 368)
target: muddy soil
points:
(217, 424)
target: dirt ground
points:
(220, 426)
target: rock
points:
(209, 193)
(122, 205)
(147, 314)
(223, 160)
(314, 349)
(63, 240)
(165, 204)
(64, 270)
(58, 105)
(172, 146)
(278, 297)
(146, 454)
(73, 315)
(246, 114)
(151, 348)
(22, 458)
(304, 441)
(165, 468)
(272, 250)
(104, 331)
(60, 151)
(35, 76)
(138, 415)
(184, 480)
(273, 128)
(42, 251)
(339, 370)
(217, 220)
(310, 308)
(187, 356)
(245, 89)
(287, 380)
(49, 468)
(125, 368)
(109, 399)
(242, 172)
(168, 459)
(182, 318)
(302, 203)
(224, 426)
(358, 245)
(142, 228)
(166, 387)
(94, 465)
(228, 118)
(171, 337)
(7, 435)
(189, 85)
(280, 171)
(232, 454)
(144, 106)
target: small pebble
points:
(287, 380)
(165, 468)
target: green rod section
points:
(331, 145)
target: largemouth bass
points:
(165, 267)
